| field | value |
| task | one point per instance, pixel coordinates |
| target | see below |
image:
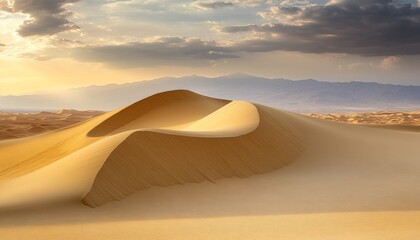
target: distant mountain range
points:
(309, 96)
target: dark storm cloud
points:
(214, 5)
(47, 17)
(364, 27)
(160, 51)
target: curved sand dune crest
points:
(148, 159)
(167, 110)
(170, 138)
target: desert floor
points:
(16, 125)
(373, 118)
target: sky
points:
(57, 44)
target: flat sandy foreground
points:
(178, 165)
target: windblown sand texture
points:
(185, 166)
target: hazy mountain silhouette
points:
(299, 96)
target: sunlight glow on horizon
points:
(76, 43)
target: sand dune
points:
(170, 138)
(148, 159)
(151, 155)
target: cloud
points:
(212, 5)
(390, 62)
(155, 52)
(362, 27)
(208, 4)
(46, 17)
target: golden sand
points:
(205, 168)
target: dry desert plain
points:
(178, 165)
(17, 125)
